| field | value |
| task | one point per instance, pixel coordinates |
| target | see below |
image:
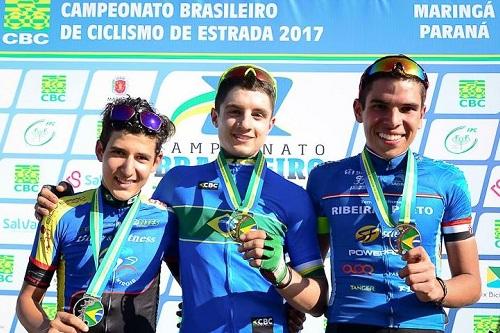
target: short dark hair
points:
(397, 73)
(247, 82)
(133, 125)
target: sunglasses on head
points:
(241, 71)
(393, 63)
(148, 119)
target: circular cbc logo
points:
(40, 132)
(461, 139)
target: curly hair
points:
(134, 125)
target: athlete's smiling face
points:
(127, 161)
(391, 116)
(244, 120)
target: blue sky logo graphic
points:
(202, 104)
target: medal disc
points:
(242, 223)
(408, 239)
(90, 310)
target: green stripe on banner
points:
(248, 56)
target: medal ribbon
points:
(409, 195)
(254, 189)
(103, 270)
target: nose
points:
(394, 117)
(127, 167)
(244, 120)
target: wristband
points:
(287, 283)
(440, 301)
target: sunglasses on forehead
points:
(393, 63)
(241, 71)
(123, 113)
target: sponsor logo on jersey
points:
(461, 139)
(40, 132)
(119, 86)
(405, 289)
(493, 277)
(262, 324)
(53, 88)
(367, 233)
(370, 252)
(208, 186)
(486, 323)
(352, 172)
(26, 177)
(357, 269)
(362, 287)
(126, 272)
(141, 239)
(146, 222)
(6, 268)
(472, 93)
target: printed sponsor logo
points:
(497, 233)
(367, 233)
(405, 289)
(76, 178)
(26, 177)
(461, 139)
(146, 222)
(370, 253)
(53, 88)
(493, 277)
(26, 22)
(40, 132)
(496, 188)
(262, 325)
(208, 186)
(141, 239)
(119, 86)
(6, 268)
(472, 93)
(357, 269)
(362, 287)
(18, 224)
(126, 272)
(486, 323)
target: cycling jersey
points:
(220, 291)
(62, 244)
(367, 288)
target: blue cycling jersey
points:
(62, 244)
(367, 288)
(220, 291)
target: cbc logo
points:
(208, 185)
(263, 322)
(360, 269)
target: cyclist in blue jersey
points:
(239, 220)
(106, 244)
(384, 212)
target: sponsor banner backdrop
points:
(62, 61)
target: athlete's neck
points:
(110, 199)
(383, 163)
(232, 159)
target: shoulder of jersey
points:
(69, 202)
(439, 165)
(156, 203)
(331, 164)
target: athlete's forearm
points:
(31, 314)
(308, 295)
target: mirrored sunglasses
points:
(148, 119)
(241, 71)
(391, 63)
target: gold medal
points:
(239, 224)
(404, 237)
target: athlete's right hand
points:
(66, 323)
(47, 198)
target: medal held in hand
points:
(404, 237)
(240, 223)
(90, 310)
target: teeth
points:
(390, 137)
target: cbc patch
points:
(262, 325)
(208, 186)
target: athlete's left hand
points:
(420, 275)
(266, 253)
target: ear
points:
(356, 105)
(157, 161)
(422, 115)
(99, 150)
(271, 124)
(215, 116)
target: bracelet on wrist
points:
(440, 301)
(288, 281)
